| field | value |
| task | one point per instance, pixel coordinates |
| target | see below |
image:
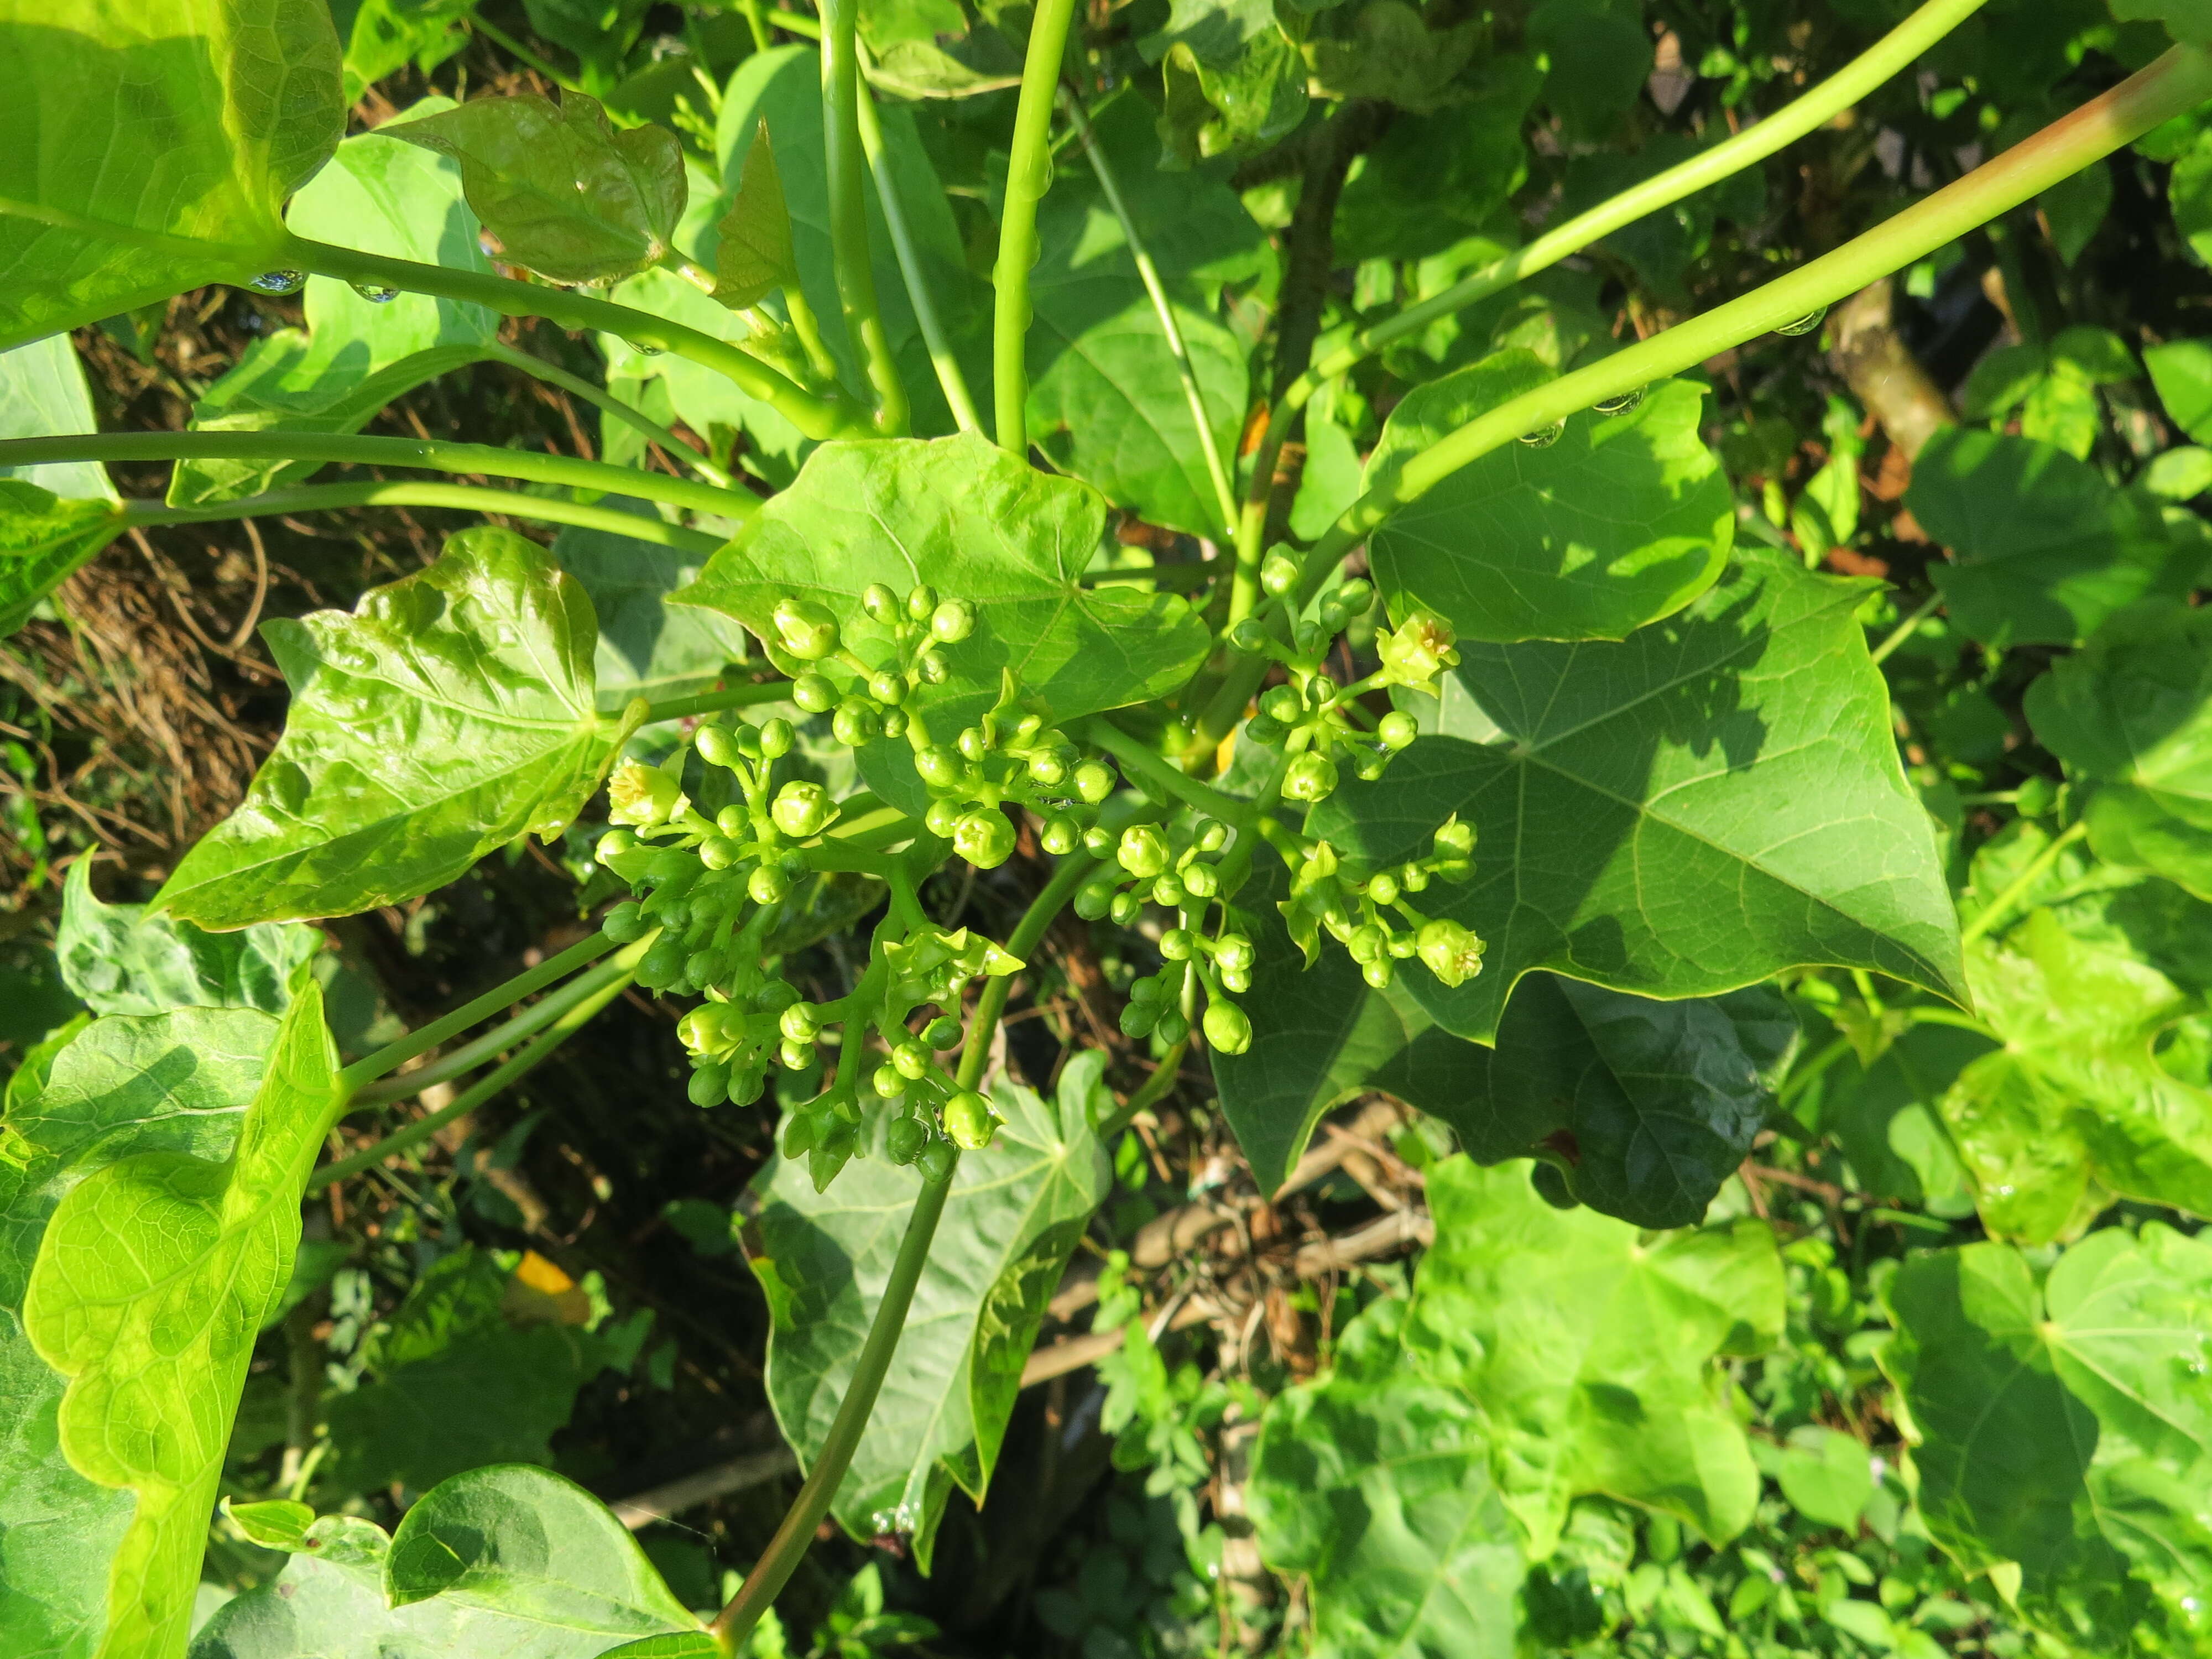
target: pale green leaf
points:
(149, 1285)
(123, 959)
(450, 713)
(389, 34)
(753, 252)
(1827, 1476)
(976, 524)
(44, 540)
(1620, 520)
(2181, 370)
(1014, 1216)
(1589, 1351)
(1329, 482)
(1688, 811)
(150, 148)
(43, 392)
(647, 648)
(568, 195)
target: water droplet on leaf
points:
(1623, 405)
(1806, 324)
(375, 293)
(279, 281)
(1545, 436)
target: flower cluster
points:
(1178, 866)
(1364, 913)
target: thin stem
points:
(1906, 630)
(949, 378)
(607, 404)
(357, 449)
(1154, 1091)
(817, 417)
(467, 498)
(796, 22)
(611, 979)
(1998, 908)
(1225, 494)
(708, 702)
(1029, 175)
(1162, 778)
(522, 54)
(393, 1055)
(848, 212)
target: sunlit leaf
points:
(123, 959)
(43, 392)
(44, 540)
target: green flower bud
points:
(709, 1084)
(933, 667)
(894, 722)
(1094, 901)
(1177, 944)
(776, 737)
(1238, 980)
(1173, 1027)
(613, 845)
(814, 693)
(854, 723)
(985, 838)
(1397, 729)
(1048, 767)
(1279, 573)
(1368, 943)
(1311, 777)
(719, 852)
(1098, 842)
(1379, 972)
(1321, 689)
(952, 621)
(1138, 1019)
(1455, 839)
(767, 885)
(1251, 637)
(1265, 732)
(911, 1060)
(799, 1023)
(943, 1032)
(1200, 881)
(1356, 595)
(643, 795)
(1061, 835)
(1148, 990)
(921, 602)
(1227, 1028)
(887, 1082)
(625, 923)
(1168, 890)
(1143, 851)
(936, 1161)
(942, 817)
(1094, 782)
(887, 687)
(1451, 952)
(969, 1122)
(1233, 951)
(880, 603)
(1283, 702)
(808, 631)
(1383, 887)
(802, 809)
(718, 747)
(940, 767)
(973, 744)
(1125, 909)
(662, 965)
(795, 1056)
(904, 1139)
(734, 822)
(702, 967)
(775, 996)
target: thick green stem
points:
(708, 702)
(949, 378)
(1225, 494)
(607, 404)
(468, 498)
(848, 212)
(818, 417)
(1158, 778)
(605, 983)
(356, 449)
(1029, 175)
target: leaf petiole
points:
(1029, 175)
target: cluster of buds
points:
(1371, 916)
(1008, 756)
(1177, 868)
(1160, 1004)
(873, 704)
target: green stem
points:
(1154, 1091)
(609, 981)
(1999, 907)
(607, 404)
(1225, 494)
(467, 498)
(1906, 630)
(393, 1055)
(1029, 175)
(356, 449)
(708, 702)
(815, 417)
(846, 165)
(1165, 779)
(522, 54)
(796, 22)
(949, 378)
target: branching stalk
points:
(848, 213)
(467, 498)
(708, 702)
(1225, 494)
(1029, 175)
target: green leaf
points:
(1620, 520)
(229, 110)
(1394, 56)
(2063, 1429)
(1374, 1484)
(1105, 402)
(566, 195)
(2189, 22)
(1826, 1475)
(43, 392)
(449, 714)
(2188, 191)
(1885, 1117)
(1429, 182)
(978, 525)
(523, 1541)
(753, 252)
(1330, 481)
(149, 1285)
(1688, 811)
(45, 540)
(2043, 549)
(647, 648)
(1013, 1218)
(2181, 370)
(1589, 1351)
(2074, 209)
(1234, 80)
(1599, 55)
(389, 34)
(2074, 1109)
(2131, 716)
(121, 959)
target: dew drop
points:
(1806, 324)
(1545, 436)
(1623, 405)
(280, 281)
(375, 293)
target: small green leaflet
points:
(1620, 519)
(1687, 811)
(45, 540)
(212, 117)
(964, 516)
(123, 959)
(2131, 715)
(566, 194)
(451, 712)
(149, 1285)
(2043, 549)
(2066, 1428)
(1589, 1351)
(1376, 1483)
(1013, 1218)
(753, 254)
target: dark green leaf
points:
(1688, 811)
(567, 194)
(1394, 56)
(389, 34)
(1620, 520)
(121, 959)
(451, 712)
(150, 148)
(2189, 21)
(1429, 182)
(1885, 1116)
(1598, 54)
(1234, 80)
